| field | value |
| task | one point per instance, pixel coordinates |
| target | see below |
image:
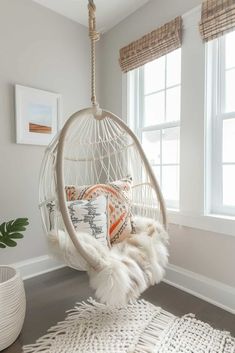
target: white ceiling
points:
(109, 12)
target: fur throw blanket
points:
(127, 269)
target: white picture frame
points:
(38, 115)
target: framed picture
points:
(37, 115)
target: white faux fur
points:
(132, 265)
(128, 268)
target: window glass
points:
(170, 182)
(230, 50)
(228, 185)
(154, 76)
(170, 145)
(173, 104)
(173, 72)
(157, 172)
(151, 145)
(229, 141)
(154, 109)
(230, 91)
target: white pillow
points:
(91, 217)
(87, 217)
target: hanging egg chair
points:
(97, 155)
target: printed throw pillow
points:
(119, 204)
(89, 216)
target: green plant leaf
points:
(3, 228)
(9, 242)
(17, 225)
(12, 230)
(16, 236)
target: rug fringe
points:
(154, 332)
(45, 342)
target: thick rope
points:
(94, 37)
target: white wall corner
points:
(37, 266)
(192, 17)
(205, 288)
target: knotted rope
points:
(94, 37)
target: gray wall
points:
(41, 49)
(203, 252)
(44, 50)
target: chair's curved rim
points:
(97, 114)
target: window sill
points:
(212, 223)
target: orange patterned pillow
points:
(119, 202)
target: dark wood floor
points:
(50, 295)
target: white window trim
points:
(211, 223)
(198, 219)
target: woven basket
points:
(12, 305)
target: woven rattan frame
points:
(61, 184)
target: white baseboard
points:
(202, 287)
(37, 266)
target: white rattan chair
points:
(95, 146)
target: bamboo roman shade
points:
(218, 17)
(151, 46)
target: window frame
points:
(136, 99)
(215, 103)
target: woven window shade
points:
(153, 45)
(218, 17)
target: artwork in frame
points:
(37, 115)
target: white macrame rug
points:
(140, 327)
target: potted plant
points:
(12, 294)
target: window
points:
(154, 111)
(221, 125)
